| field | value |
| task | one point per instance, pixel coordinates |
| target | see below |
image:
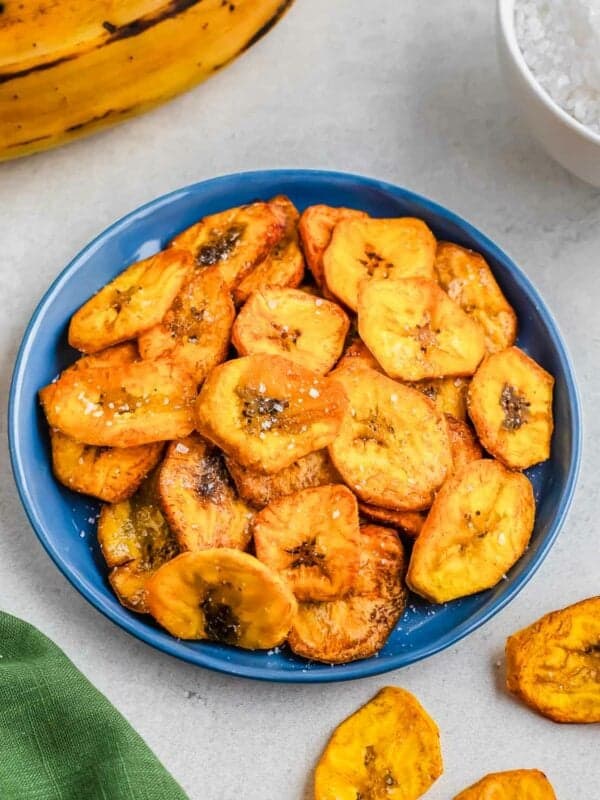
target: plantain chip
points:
(311, 539)
(510, 403)
(468, 280)
(111, 474)
(387, 750)
(223, 595)
(316, 229)
(478, 527)
(266, 412)
(448, 394)
(416, 332)
(409, 522)
(134, 301)
(516, 784)
(198, 500)
(135, 541)
(375, 250)
(463, 443)
(258, 489)
(116, 356)
(290, 323)
(393, 447)
(554, 664)
(196, 329)
(357, 625)
(358, 354)
(234, 241)
(284, 264)
(122, 406)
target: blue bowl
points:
(64, 522)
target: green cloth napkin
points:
(60, 738)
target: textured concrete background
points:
(406, 91)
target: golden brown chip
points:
(116, 356)
(463, 443)
(266, 412)
(479, 525)
(373, 250)
(316, 229)
(510, 403)
(198, 500)
(122, 406)
(290, 323)
(468, 280)
(409, 522)
(554, 664)
(223, 595)
(135, 541)
(259, 489)
(448, 394)
(357, 353)
(196, 329)
(311, 539)
(416, 332)
(357, 625)
(234, 241)
(134, 301)
(284, 264)
(387, 750)
(516, 784)
(393, 447)
(111, 474)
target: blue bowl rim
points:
(358, 669)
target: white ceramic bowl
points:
(569, 142)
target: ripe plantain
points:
(67, 69)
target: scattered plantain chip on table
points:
(198, 499)
(387, 750)
(516, 784)
(554, 664)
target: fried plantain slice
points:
(468, 280)
(258, 489)
(284, 264)
(448, 394)
(135, 541)
(409, 522)
(223, 595)
(266, 412)
(311, 539)
(416, 332)
(393, 447)
(357, 353)
(510, 404)
(374, 250)
(516, 784)
(122, 406)
(316, 229)
(463, 443)
(234, 241)
(134, 301)
(196, 329)
(116, 356)
(111, 474)
(479, 525)
(288, 322)
(554, 664)
(357, 625)
(198, 500)
(387, 750)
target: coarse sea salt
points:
(560, 41)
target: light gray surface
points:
(409, 92)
